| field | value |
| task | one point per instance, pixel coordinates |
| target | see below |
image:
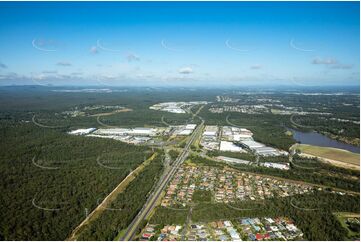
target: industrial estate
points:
(183, 170)
(187, 183)
(180, 121)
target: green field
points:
(330, 153)
(352, 232)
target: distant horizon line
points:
(184, 86)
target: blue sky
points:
(180, 43)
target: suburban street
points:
(152, 200)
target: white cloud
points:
(320, 61)
(11, 76)
(63, 63)
(185, 70)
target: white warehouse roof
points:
(252, 144)
(210, 133)
(185, 132)
(191, 126)
(82, 131)
(229, 146)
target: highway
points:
(152, 200)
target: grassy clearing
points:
(341, 217)
(120, 235)
(330, 153)
(110, 113)
(202, 196)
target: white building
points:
(143, 131)
(229, 146)
(185, 132)
(233, 160)
(82, 131)
(191, 126)
(252, 144)
(277, 165)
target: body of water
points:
(313, 138)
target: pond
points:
(313, 138)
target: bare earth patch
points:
(337, 157)
(110, 113)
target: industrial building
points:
(183, 129)
(229, 146)
(176, 107)
(261, 149)
(233, 160)
(82, 131)
(276, 165)
(210, 137)
(236, 134)
(252, 145)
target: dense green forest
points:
(50, 178)
(126, 206)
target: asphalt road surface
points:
(152, 200)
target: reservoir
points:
(313, 138)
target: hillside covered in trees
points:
(50, 180)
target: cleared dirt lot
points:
(337, 157)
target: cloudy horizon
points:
(180, 44)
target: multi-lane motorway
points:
(152, 200)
